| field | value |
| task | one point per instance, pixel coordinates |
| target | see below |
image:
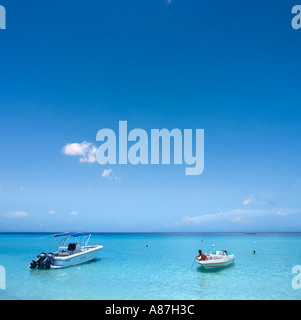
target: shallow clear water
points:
(127, 269)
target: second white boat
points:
(220, 259)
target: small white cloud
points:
(248, 200)
(109, 174)
(282, 213)
(73, 213)
(21, 188)
(51, 212)
(241, 219)
(106, 173)
(85, 150)
(15, 214)
(237, 215)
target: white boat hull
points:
(89, 254)
(217, 263)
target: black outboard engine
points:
(43, 261)
(38, 261)
(33, 264)
(48, 260)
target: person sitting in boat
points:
(201, 256)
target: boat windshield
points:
(221, 253)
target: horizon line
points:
(150, 232)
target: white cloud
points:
(282, 213)
(248, 200)
(22, 188)
(73, 213)
(234, 216)
(106, 173)
(241, 219)
(109, 174)
(237, 215)
(85, 150)
(15, 214)
(51, 212)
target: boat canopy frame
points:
(62, 239)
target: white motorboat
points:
(73, 249)
(220, 259)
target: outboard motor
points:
(40, 260)
(37, 262)
(33, 264)
(43, 261)
(48, 260)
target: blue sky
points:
(69, 69)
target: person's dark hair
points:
(200, 252)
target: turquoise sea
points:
(156, 266)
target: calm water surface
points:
(127, 269)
